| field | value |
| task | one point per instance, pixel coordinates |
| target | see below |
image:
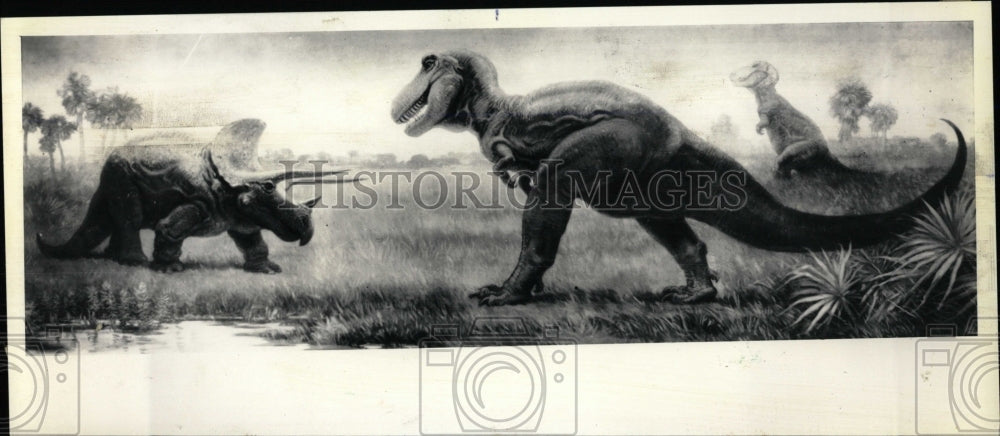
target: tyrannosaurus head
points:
(438, 94)
(759, 74)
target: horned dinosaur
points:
(178, 191)
(614, 137)
(796, 139)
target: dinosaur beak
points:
(306, 236)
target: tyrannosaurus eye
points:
(428, 62)
(268, 186)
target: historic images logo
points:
(498, 378)
(956, 381)
(43, 372)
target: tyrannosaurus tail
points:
(94, 230)
(766, 223)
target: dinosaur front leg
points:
(254, 251)
(763, 123)
(505, 168)
(170, 234)
(542, 226)
(690, 253)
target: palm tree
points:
(76, 98)
(99, 114)
(113, 110)
(848, 104)
(56, 129)
(883, 117)
(31, 120)
(128, 111)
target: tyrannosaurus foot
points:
(167, 267)
(687, 295)
(264, 267)
(493, 295)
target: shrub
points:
(827, 288)
(941, 245)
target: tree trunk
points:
(845, 135)
(62, 157)
(52, 164)
(104, 139)
(79, 125)
(25, 144)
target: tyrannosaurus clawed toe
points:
(493, 295)
(683, 294)
(591, 141)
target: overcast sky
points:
(332, 90)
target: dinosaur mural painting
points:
(179, 192)
(612, 137)
(796, 139)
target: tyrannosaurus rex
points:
(796, 139)
(595, 141)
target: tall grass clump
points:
(882, 303)
(828, 288)
(937, 257)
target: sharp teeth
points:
(419, 104)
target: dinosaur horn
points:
(323, 181)
(280, 175)
(312, 201)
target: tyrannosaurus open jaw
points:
(427, 101)
(758, 74)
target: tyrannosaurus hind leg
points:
(541, 229)
(800, 156)
(690, 253)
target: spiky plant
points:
(827, 288)
(941, 245)
(882, 302)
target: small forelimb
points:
(764, 122)
(507, 167)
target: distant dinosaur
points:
(613, 137)
(178, 191)
(796, 139)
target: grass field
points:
(384, 276)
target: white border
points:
(850, 386)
